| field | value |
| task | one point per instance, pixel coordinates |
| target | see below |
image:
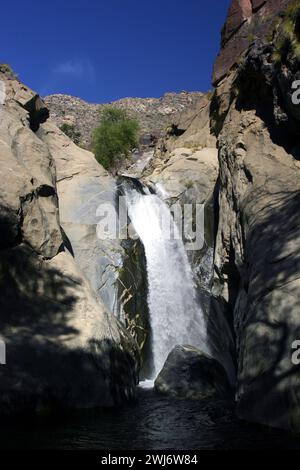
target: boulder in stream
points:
(190, 373)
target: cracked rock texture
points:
(257, 264)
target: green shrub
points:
(251, 38)
(6, 68)
(296, 50)
(70, 131)
(292, 10)
(115, 138)
(283, 46)
(287, 42)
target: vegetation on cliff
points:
(115, 138)
(287, 44)
(71, 132)
(6, 68)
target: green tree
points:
(70, 131)
(115, 138)
(6, 68)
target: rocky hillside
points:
(153, 114)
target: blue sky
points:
(104, 50)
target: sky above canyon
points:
(105, 50)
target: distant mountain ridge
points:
(153, 114)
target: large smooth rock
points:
(188, 173)
(17, 94)
(83, 186)
(63, 348)
(28, 198)
(190, 373)
(190, 130)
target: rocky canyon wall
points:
(247, 21)
(257, 269)
(63, 348)
(237, 152)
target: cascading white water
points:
(175, 315)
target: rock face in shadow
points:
(189, 373)
(63, 349)
(133, 292)
(257, 268)
(247, 20)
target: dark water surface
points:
(153, 422)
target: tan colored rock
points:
(18, 92)
(28, 190)
(195, 121)
(187, 168)
(189, 133)
(83, 185)
(19, 96)
(2, 92)
(63, 348)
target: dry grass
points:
(287, 43)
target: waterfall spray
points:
(175, 315)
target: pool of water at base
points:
(153, 422)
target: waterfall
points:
(175, 315)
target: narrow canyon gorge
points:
(89, 321)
